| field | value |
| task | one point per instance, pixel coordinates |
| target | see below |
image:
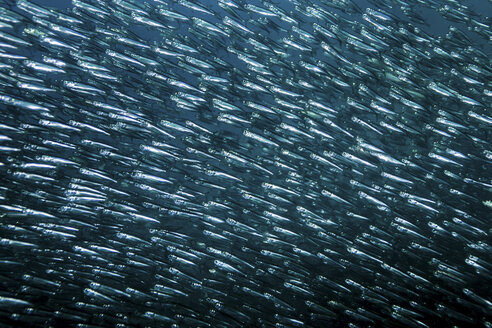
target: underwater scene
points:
(246, 163)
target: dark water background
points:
(436, 27)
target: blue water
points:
(442, 302)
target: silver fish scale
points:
(245, 163)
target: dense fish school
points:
(243, 163)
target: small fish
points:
(237, 163)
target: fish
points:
(245, 163)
